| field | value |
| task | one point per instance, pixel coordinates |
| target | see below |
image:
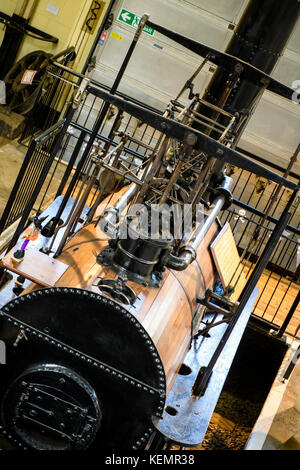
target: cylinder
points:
(259, 39)
(166, 312)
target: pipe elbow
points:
(185, 257)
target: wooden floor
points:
(275, 300)
(276, 296)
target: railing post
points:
(71, 164)
(40, 182)
(16, 186)
(289, 316)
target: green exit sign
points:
(133, 20)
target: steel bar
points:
(71, 164)
(99, 121)
(30, 28)
(257, 212)
(227, 61)
(40, 182)
(217, 205)
(204, 143)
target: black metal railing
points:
(279, 284)
(56, 92)
(34, 183)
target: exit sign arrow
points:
(125, 17)
(133, 20)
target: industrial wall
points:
(160, 67)
(63, 19)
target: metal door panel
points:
(159, 67)
(287, 70)
(181, 17)
(278, 127)
(229, 9)
(150, 67)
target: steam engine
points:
(92, 359)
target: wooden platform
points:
(36, 266)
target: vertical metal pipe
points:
(99, 121)
(259, 39)
(70, 164)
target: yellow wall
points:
(89, 39)
(59, 26)
(7, 6)
(66, 26)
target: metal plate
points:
(185, 419)
(101, 342)
(50, 407)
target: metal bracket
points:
(20, 336)
(141, 26)
(117, 289)
(215, 192)
(106, 368)
(228, 312)
(230, 307)
(81, 93)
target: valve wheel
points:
(22, 97)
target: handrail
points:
(49, 132)
(151, 108)
(236, 202)
(257, 212)
(107, 88)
